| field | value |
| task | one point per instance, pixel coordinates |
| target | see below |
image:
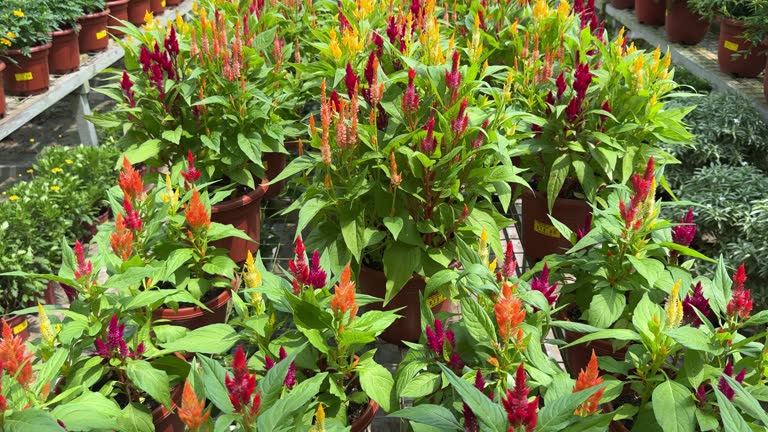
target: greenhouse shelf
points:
(23, 109)
(700, 60)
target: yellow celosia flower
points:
(652, 101)
(674, 308)
(18, 13)
(319, 419)
(540, 10)
(483, 247)
(351, 41)
(563, 9)
(45, 326)
(492, 265)
(194, 7)
(5, 42)
(55, 188)
(57, 170)
(13, 197)
(364, 8)
(170, 195)
(252, 278)
(333, 45)
(475, 47)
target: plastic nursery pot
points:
(577, 357)
(94, 36)
(119, 10)
(26, 76)
(623, 4)
(19, 325)
(169, 3)
(169, 421)
(64, 56)
(244, 213)
(49, 295)
(2, 91)
(650, 12)
(196, 317)
(361, 423)
(137, 9)
(274, 163)
(737, 56)
(684, 25)
(408, 326)
(540, 238)
(157, 6)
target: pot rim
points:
(33, 50)
(243, 200)
(194, 311)
(732, 22)
(116, 2)
(161, 412)
(67, 31)
(541, 195)
(363, 420)
(105, 12)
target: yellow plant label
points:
(435, 299)
(545, 229)
(101, 35)
(731, 46)
(20, 328)
(24, 76)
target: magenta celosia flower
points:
(560, 84)
(740, 304)
(171, 43)
(145, 59)
(335, 102)
(697, 301)
(70, 292)
(306, 274)
(132, 218)
(582, 77)
(242, 385)
(510, 264)
(520, 412)
(438, 338)
(379, 42)
(416, 9)
(480, 138)
(317, 276)
(191, 175)
(410, 97)
(541, 284)
(460, 123)
(393, 30)
(429, 144)
(470, 420)
(723, 385)
(84, 267)
(351, 81)
(453, 77)
(343, 22)
(115, 345)
(684, 234)
(127, 86)
(290, 377)
(582, 232)
(701, 396)
(573, 109)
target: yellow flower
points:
(194, 7)
(69, 161)
(319, 419)
(18, 13)
(563, 9)
(251, 276)
(57, 170)
(31, 140)
(10, 35)
(149, 17)
(333, 45)
(5, 42)
(483, 247)
(492, 265)
(30, 171)
(55, 188)
(540, 10)
(45, 326)
(674, 308)
(352, 41)
(13, 197)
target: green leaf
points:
(308, 211)
(213, 382)
(377, 383)
(559, 171)
(673, 407)
(136, 418)
(691, 338)
(91, 411)
(400, 262)
(283, 410)
(431, 415)
(29, 420)
(272, 383)
(477, 322)
(394, 225)
(249, 148)
(732, 420)
(150, 380)
(618, 334)
(297, 165)
(51, 368)
(488, 412)
(173, 136)
(559, 414)
(423, 384)
(686, 251)
(649, 268)
(350, 234)
(211, 339)
(147, 150)
(606, 307)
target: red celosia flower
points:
(683, 234)
(723, 385)
(428, 145)
(582, 78)
(298, 266)
(317, 276)
(127, 86)
(130, 181)
(695, 300)
(191, 175)
(145, 59)
(460, 123)
(84, 268)
(335, 102)
(470, 420)
(510, 264)
(560, 84)
(171, 43)
(641, 185)
(509, 314)
(440, 340)
(196, 214)
(520, 412)
(740, 304)
(351, 81)
(701, 396)
(121, 239)
(588, 378)
(14, 357)
(132, 218)
(379, 42)
(582, 232)
(344, 296)
(453, 77)
(241, 385)
(191, 410)
(115, 345)
(541, 284)
(410, 97)
(478, 141)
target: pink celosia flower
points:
(84, 268)
(740, 304)
(582, 232)
(541, 284)
(191, 175)
(115, 345)
(695, 300)
(241, 385)
(410, 97)
(438, 338)
(510, 264)
(460, 123)
(428, 144)
(520, 412)
(453, 77)
(684, 234)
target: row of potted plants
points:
(47, 37)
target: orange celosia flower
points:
(509, 314)
(122, 239)
(14, 357)
(395, 177)
(344, 295)
(130, 181)
(196, 213)
(191, 411)
(589, 378)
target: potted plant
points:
(64, 56)
(739, 52)
(650, 12)
(683, 24)
(93, 35)
(118, 14)
(25, 44)
(588, 135)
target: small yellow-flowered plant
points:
(55, 188)
(57, 170)
(674, 308)
(18, 13)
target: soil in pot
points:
(157, 6)
(193, 317)
(684, 25)
(650, 12)
(94, 36)
(623, 4)
(119, 10)
(244, 213)
(3, 106)
(408, 326)
(19, 325)
(64, 56)
(274, 164)
(137, 9)
(539, 237)
(27, 76)
(737, 56)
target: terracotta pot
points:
(408, 326)
(737, 56)
(94, 36)
(19, 325)
(617, 426)
(650, 12)
(274, 163)
(623, 4)
(157, 6)
(577, 357)
(365, 420)
(169, 421)
(684, 25)
(540, 238)
(169, 3)
(2, 91)
(244, 213)
(29, 75)
(64, 56)
(136, 11)
(196, 317)
(119, 10)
